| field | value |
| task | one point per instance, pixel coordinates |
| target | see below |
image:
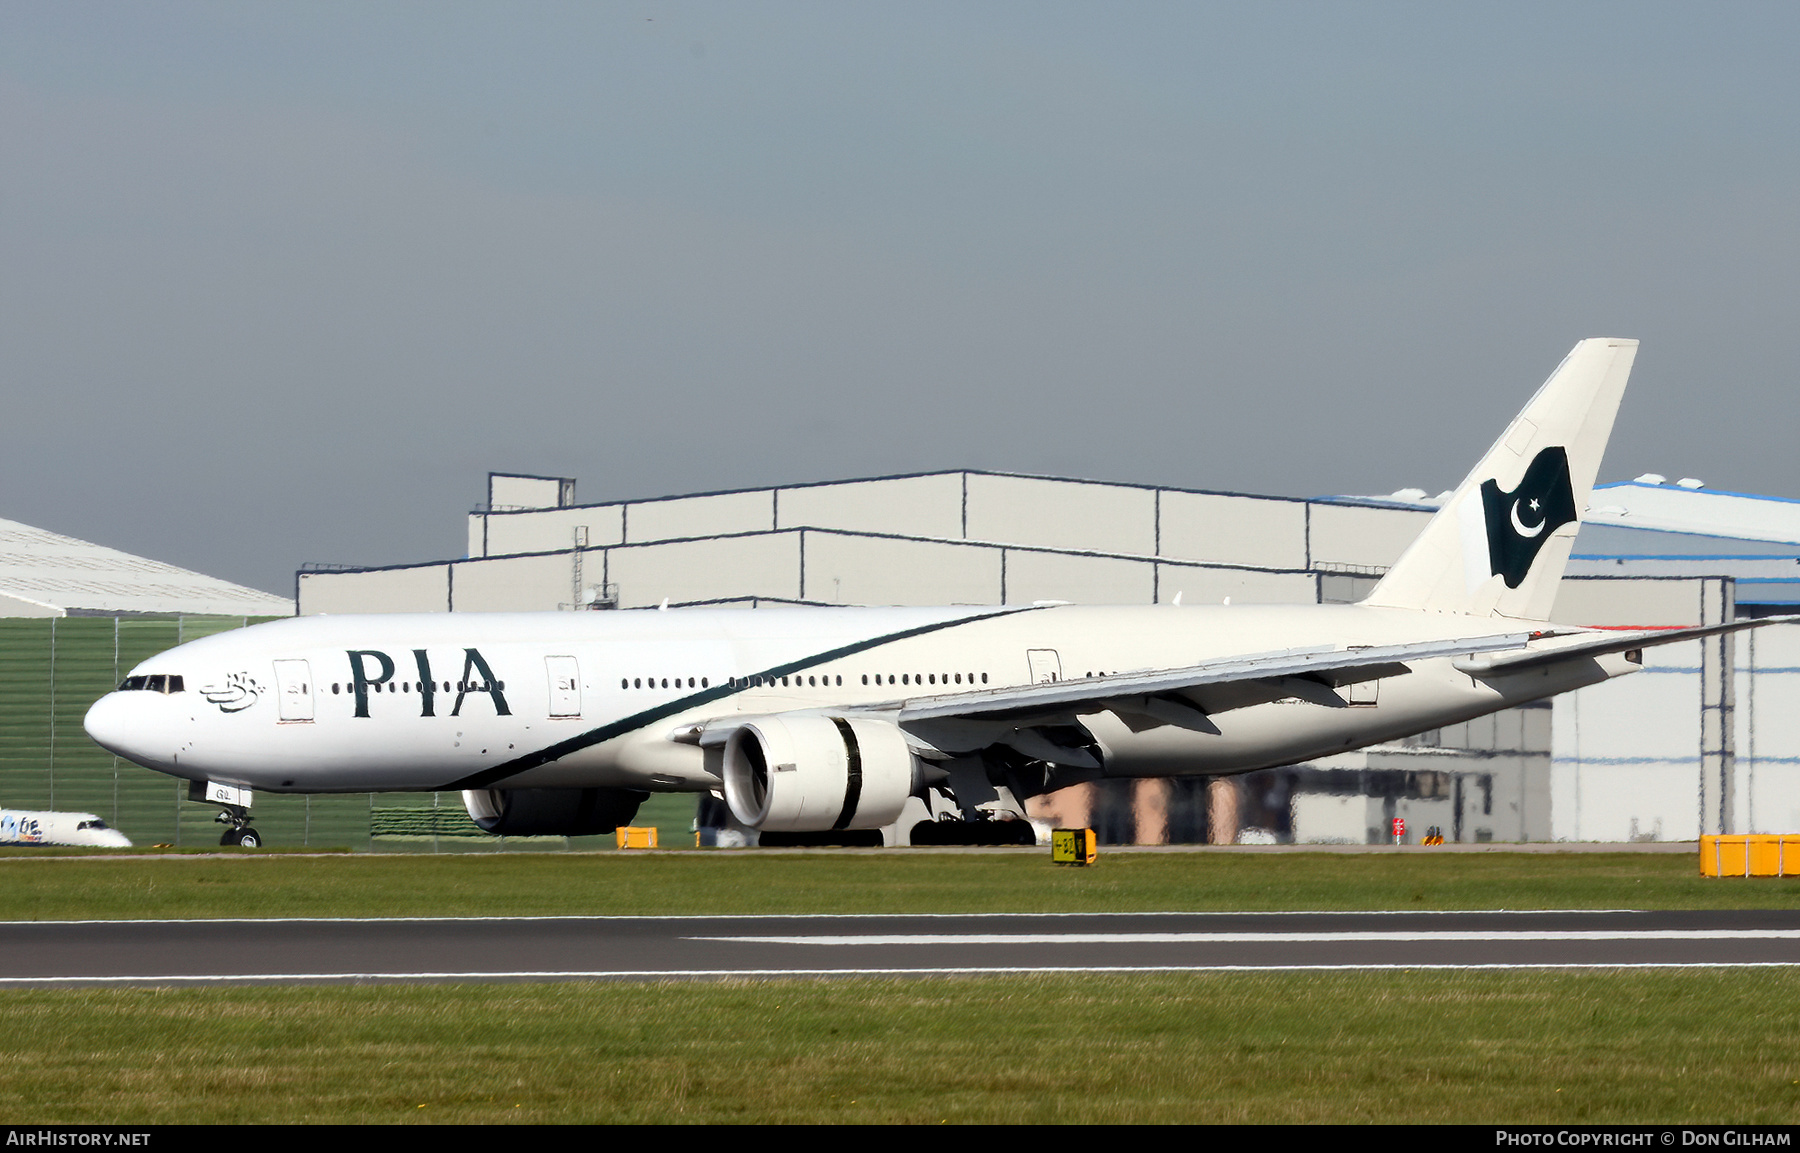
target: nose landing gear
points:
(234, 801)
(239, 833)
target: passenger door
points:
(1046, 666)
(294, 690)
(565, 686)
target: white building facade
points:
(1702, 741)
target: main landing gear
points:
(982, 830)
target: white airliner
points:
(26, 827)
(813, 720)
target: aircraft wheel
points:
(247, 839)
(230, 837)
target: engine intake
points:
(811, 773)
(551, 812)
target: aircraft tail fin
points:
(1499, 545)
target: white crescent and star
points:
(1519, 525)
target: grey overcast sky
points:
(282, 282)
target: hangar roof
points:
(1686, 507)
(46, 574)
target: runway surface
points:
(86, 953)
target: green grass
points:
(1545, 1047)
(37, 887)
(1638, 1047)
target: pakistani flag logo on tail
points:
(1520, 521)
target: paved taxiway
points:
(566, 948)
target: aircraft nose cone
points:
(105, 723)
(121, 724)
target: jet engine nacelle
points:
(551, 812)
(798, 774)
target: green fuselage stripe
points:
(487, 777)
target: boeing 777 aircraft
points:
(819, 719)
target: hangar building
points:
(73, 617)
(1700, 741)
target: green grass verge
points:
(256, 885)
(1642, 1047)
(1678, 1046)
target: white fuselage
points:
(436, 701)
(27, 827)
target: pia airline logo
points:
(238, 693)
(1519, 521)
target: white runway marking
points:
(921, 971)
(1423, 936)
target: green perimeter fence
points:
(52, 669)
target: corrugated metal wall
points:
(52, 669)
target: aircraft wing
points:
(1587, 645)
(1308, 673)
(1179, 696)
(1187, 696)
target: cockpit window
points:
(161, 683)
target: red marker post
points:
(1399, 829)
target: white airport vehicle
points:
(26, 827)
(822, 721)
